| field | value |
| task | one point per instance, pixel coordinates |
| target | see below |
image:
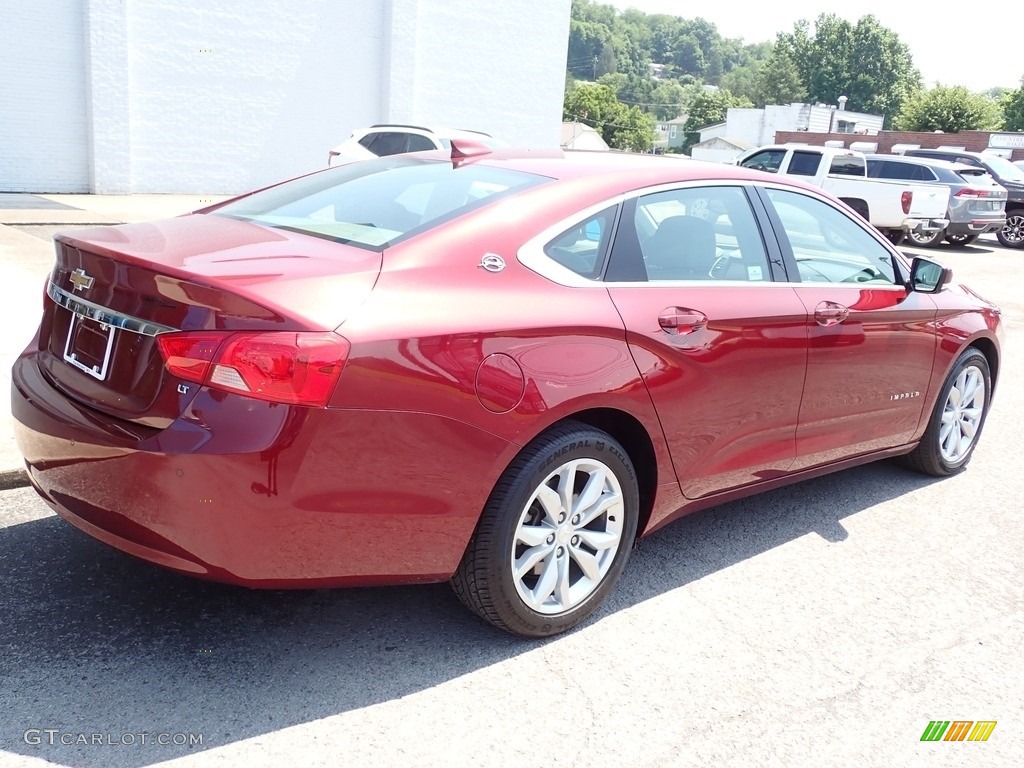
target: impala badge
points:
(80, 280)
(492, 262)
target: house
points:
(581, 136)
(673, 131)
(219, 97)
(756, 127)
(720, 149)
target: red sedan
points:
(494, 368)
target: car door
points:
(871, 342)
(718, 337)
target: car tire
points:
(895, 236)
(925, 240)
(1012, 233)
(955, 425)
(568, 557)
(961, 239)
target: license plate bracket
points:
(89, 345)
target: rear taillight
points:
(972, 193)
(280, 366)
(906, 199)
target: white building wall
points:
(43, 129)
(491, 65)
(229, 95)
(226, 95)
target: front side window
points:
(700, 233)
(769, 160)
(828, 245)
(375, 203)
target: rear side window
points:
(700, 233)
(390, 144)
(804, 163)
(368, 139)
(581, 247)
(378, 202)
(419, 143)
(847, 165)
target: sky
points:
(946, 47)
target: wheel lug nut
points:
(561, 518)
(575, 519)
(560, 552)
(551, 539)
(575, 540)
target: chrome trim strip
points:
(88, 309)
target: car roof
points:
(622, 167)
(465, 133)
(931, 162)
(938, 152)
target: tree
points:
(633, 131)
(950, 109)
(1013, 109)
(744, 82)
(670, 100)
(779, 80)
(621, 126)
(707, 109)
(865, 62)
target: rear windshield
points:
(1004, 168)
(375, 203)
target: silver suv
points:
(976, 202)
(1006, 174)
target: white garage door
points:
(43, 127)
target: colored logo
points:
(958, 730)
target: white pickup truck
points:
(893, 207)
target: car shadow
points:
(95, 642)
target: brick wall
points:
(973, 141)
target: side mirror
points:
(927, 276)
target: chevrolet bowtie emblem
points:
(80, 280)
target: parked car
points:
(895, 208)
(976, 203)
(1006, 174)
(497, 369)
(383, 140)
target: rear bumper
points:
(923, 226)
(248, 492)
(976, 226)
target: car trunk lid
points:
(114, 290)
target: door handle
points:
(679, 320)
(830, 313)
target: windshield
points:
(375, 203)
(1004, 169)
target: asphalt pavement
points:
(823, 624)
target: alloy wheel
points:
(567, 537)
(961, 416)
(1012, 233)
